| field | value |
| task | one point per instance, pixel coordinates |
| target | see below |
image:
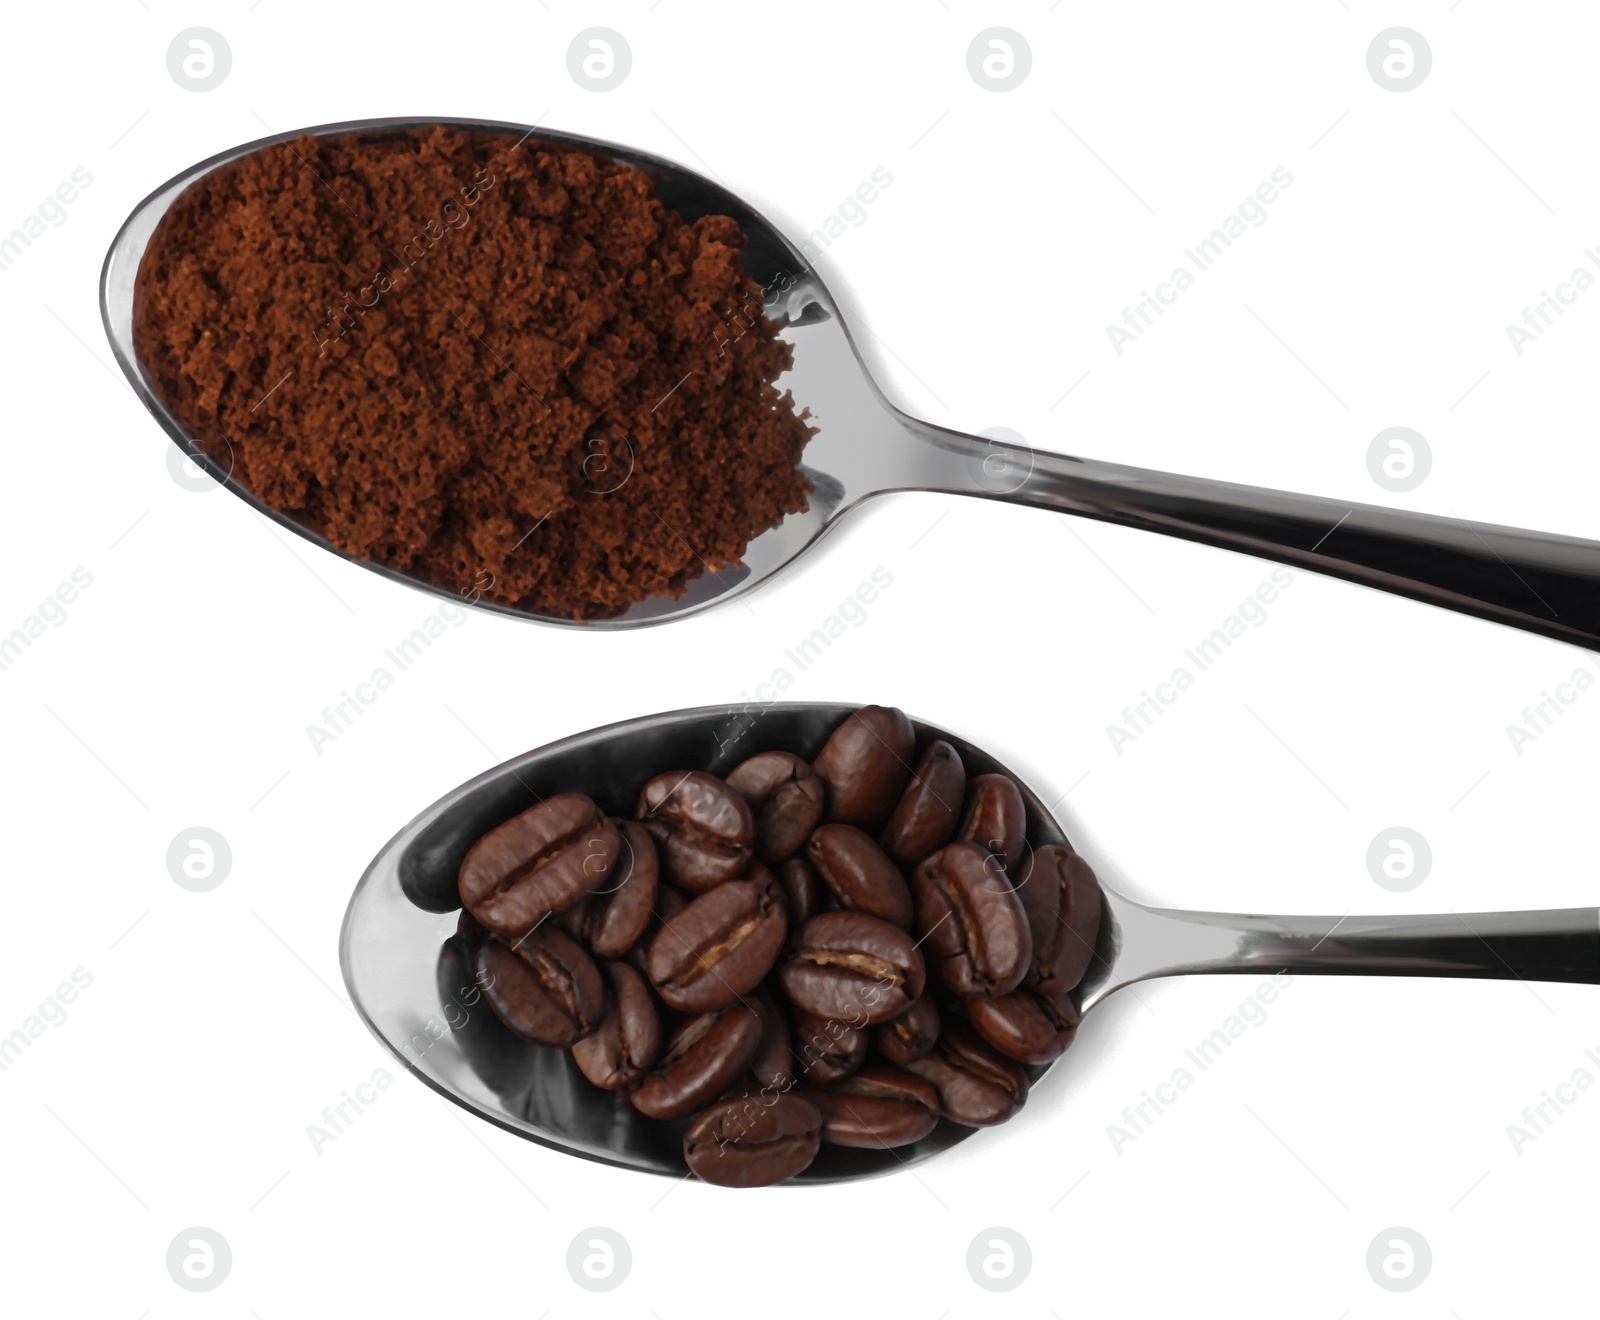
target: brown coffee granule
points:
(502, 368)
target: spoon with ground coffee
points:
(408, 965)
(571, 381)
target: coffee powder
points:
(499, 366)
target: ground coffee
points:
(499, 366)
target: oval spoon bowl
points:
(768, 258)
(407, 970)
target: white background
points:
(178, 691)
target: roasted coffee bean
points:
(620, 913)
(911, 1035)
(977, 1086)
(852, 968)
(876, 1108)
(1026, 1025)
(774, 1064)
(966, 1049)
(975, 929)
(540, 862)
(544, 986)
(486, 1045)
(470, 927)
(764, 880)
(997, 818)
(624, 1046)
(669, 902)
(757, 777)
(865, 764)
(860, 874)
(786, 798)
(1062, 899)
(804, 890)
(752, 1139)
(826, 1050)
(707, 828)
(575, 919)
(926, 816)
(704, 1056)
(760, 876)
(717, 948)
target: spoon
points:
(408, 975)
(1539, 581)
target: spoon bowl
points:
(865, 446)
(408, 972)
(407, 969)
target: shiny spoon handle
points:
(1561, 944)
(1538, 581)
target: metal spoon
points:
(407, 974)
(1539, 581)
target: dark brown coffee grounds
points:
(502, 368)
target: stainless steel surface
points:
(1560, 944)
(407, 976)
(1537, 581)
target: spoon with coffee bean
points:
(458, 521)
(797, 941)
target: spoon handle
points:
(1561, 944)
(1539, 581)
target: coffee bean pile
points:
(839, 951)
